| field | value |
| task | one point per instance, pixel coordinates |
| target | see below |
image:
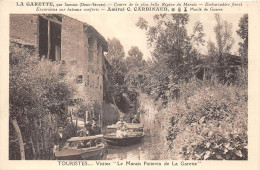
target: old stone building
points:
(77, 46)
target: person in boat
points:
(86, 131)
(90, 132)
(121, 127)
(59, 138)
(121, 124)
(70, 129)
(95, 126)
(135, 119)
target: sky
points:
(123, 27)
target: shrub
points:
(37, 96)
(110, 114)
(209, 123)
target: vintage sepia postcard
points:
(130, 84)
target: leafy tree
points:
(197, 37)
(35, 91)
(174, 51)
(115, 85)
(220, 51)
(170, 41)
(136, 67)
(135, 58)
(243, 33)
(115, 57)
(224, 38)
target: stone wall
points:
(75, 55)
(25, 28)
(76, 50)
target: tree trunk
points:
(114, 101)
(20, 139)
(33, 148)
(49, 40)
(37, 147)
(35, 132)
(42, 138)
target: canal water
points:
(145, 150)
(150, 148)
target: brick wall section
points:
(24, 27)
(95, 75)
(74, 51)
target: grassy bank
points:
(208, 122)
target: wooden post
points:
(204, 74)
(99, 121)
(20, 139)
(71, 116)
(84, 116)
(101, 116)
(49, 40)
(76, 119)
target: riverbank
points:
(208, 121)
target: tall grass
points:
(208, 122)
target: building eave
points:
(90, 29)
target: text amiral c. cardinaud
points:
(150, 9)
(138, 9)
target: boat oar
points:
(109, 140)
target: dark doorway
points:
(43, 37)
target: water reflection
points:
(140, 151)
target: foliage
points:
(134, 58)
(170, 41)
(175, 52)
(110, 114)
(36, 91)
(114, 83)
(149, 114)
(223, 30)
(198, 35)
(36, 86)
(211, 124)
(218, 52)
(115, 56)
(136, 66)
(121, 75)
(243, 33)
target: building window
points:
(50, 39)
(79, 79)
